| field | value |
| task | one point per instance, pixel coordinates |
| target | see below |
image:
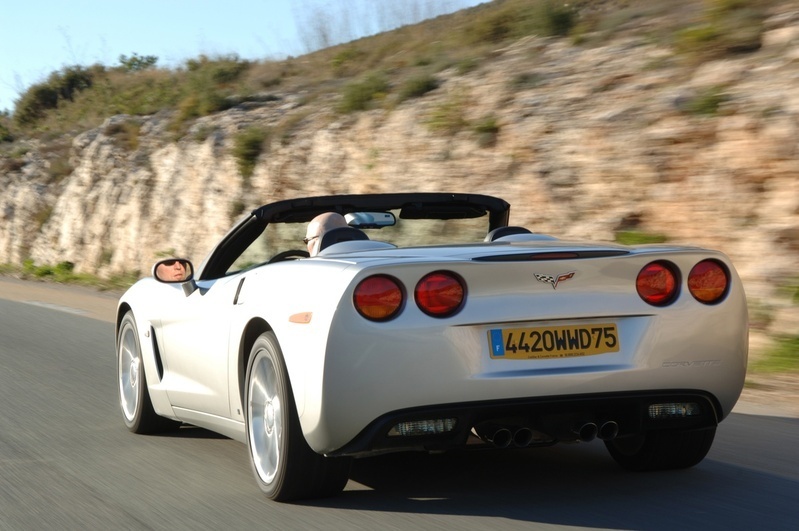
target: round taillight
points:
(440, 294)
(378, 298)
(708, 281)
(657, 283)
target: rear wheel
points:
(662, 450)
(285, 467)
(134, 396)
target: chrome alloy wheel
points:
(129, 367)
(265, 417)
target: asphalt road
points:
(67, 462)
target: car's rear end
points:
(531, 343)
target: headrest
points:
(341, 234)
(505, 231)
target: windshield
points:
(282, 237)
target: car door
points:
(194, 336)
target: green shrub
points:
(526, 80)
(202, 133)
(558, 17)
(346, 60)
(34, 103)
(788, 288)
(42, 216)
(784, 356)
(5, 133)
(247, 147)
(125, 134)
(59, 169)
(634, 237)
(43, 97)
(487, 130)
(464, 66)
(727, 26)
(449, 117)
(64, 273)
(515, 19)
(418, 86)
(706, 102)
(137, 63)
(237, 208)
(106, 257)
(361, 95)
(221, 70)
(64, 268)
(494, 27)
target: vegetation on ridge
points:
(383, 69)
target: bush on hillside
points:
(42, 97)
(360, 95)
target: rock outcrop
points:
(588, 141)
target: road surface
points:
(67, 461)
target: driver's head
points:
(318, 226)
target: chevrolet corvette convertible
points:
(429, 323)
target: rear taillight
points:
(378, 298)
(440, 294)
(658, 283)
(708, 281)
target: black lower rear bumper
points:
(552, 419)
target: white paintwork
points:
(346, 371)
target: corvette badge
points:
(554, 279)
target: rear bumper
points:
(549, 420)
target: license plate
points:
(545, 342)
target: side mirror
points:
(173, 270)
(176, 271)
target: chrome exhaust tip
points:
(501, 438)
(587, 432)
(608, 431)
(522, 437)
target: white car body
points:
(353, 379)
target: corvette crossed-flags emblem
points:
(552, 279)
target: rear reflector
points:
(708, 281)
(422, 427)
(657, 283)
(672, 410)
(440, 294)
(378, 298)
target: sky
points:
(38, 37)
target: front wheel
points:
(134, 397)
(662, 450)
(285, 467)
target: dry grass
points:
(700, 29)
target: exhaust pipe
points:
(587, 432)
(522, 437)
(608, 431)
(501, 438)
(496, 435)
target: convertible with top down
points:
(430, 323)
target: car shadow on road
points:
(571, 485)
(187, 431)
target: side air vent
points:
(158, 363)
(549, 255)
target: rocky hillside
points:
(585, 141)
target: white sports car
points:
(428, 323)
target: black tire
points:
(134, 395)
(285, 467)
(662, 450)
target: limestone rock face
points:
(589, 141)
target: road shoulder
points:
(768, 395)
(80, 300)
